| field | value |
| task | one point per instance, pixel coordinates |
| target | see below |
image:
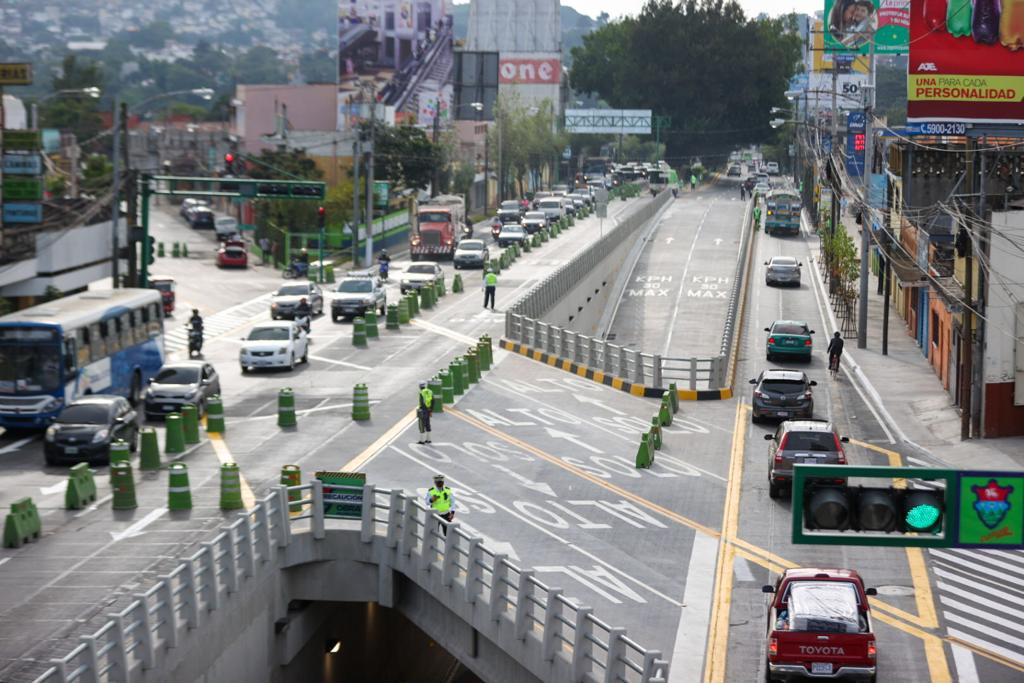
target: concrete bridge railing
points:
(549, 635)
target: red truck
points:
(819, 627)
(440, 224)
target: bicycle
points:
(833, 365)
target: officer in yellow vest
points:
(441, 500)
(490, 284)
(426, 404)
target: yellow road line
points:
(387, 437)
(224, 455)
(717, 650)
(597, 481)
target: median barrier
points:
(483, 356)
(437, 406)
(665, 411)
(655, 438)
(447, 388)
(81, 488)
(458, 387)
(149, 449)
(457, 284)
(673, 394)
(472, 365)
(22, 524)
(176, 250)
(644, 456)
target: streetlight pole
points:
(865, 223)
(369, 177)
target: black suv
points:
(87, 427)
(782, 394)
(797, 442)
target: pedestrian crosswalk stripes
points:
(981, 598)
(219, 323)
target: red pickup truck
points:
(819, 627)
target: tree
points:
(702, 62)
(152, 36)
(96, 175)
(405, 155)
(285, 215)
(74, 113)
(527, 141)
(260, 65)
(318, 67)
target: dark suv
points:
(782, 394)
(87, 427)
(813, 442)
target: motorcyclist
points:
(835, 349)
(303, 313)
(384, 263)
(195, 325)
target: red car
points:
(166, 286)
(819, 627)
(232, 255)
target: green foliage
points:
(260, 65)
(841, 255)
(288, 215)
(702, 62)
(151, 37)
(318, 67)
(462, 179)
(52, 293)
(527, 139)
(338, 205)
(56, 185)
(96, 174)
(405, 155)
(891, 90)
(75, 113)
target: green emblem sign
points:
(343, 494)
(22, 140)
(21, 188)
(991, 509)
(381, 191)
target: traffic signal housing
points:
(229, 164)
(321, 217)
(891, 513)
(150, 250)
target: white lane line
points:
(18, 444)
(1012, 655)
(137, 528)
(4, 561)
(682, 280)
(968, 595)
(341, 362)
(50, 490)
(692, 632)
(963, 660)
(741, 568)
(437, 329)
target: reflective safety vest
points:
(443, 500)
(426, 397)
(491, 280)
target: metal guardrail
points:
(135, 638)
(523, 319)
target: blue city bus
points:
(94, 342)
(782, 212)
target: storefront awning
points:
(907, 272)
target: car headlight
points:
(273, 304)
(51, 433)
(368, 300)
(52, 404)
(149, 392)
(100, 436)
(189, 395)
(283, 349)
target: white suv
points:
(274, 345)
(772, 168)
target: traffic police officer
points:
(490, 283)
(442, 502)
(426, 404)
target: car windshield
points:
(172, 375)
(163, 286)
(30, 369)
(512, 228)
(471, 245)
(783, 261)
(510, 206)
(355, 286)
(782, 386)
(293, 290)
(783, 267)
(86, 413)
(551, 203)
(268, 334)
(234, 252)
(434, 217)
(789, 328)
(810, 441)
(421, 268)
(535, 215)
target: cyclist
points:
(835, 350)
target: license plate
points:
(167, 408)
(821, 668)
(783, 413)
(70, 450)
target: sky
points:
(752, 8)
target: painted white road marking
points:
(137, 529)
(572, 438)
(692, 632)
(17, 444)
(537, 486)
(50, 490)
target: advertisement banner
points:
(529, 71)
(16, 212)
(23, 188)
(855, 143)
(23, 164)
(21, 140)
(852, 25)
(965, 62)
(821, 60)
(16, 73)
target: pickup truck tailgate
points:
(823, 654)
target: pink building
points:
(256, 108)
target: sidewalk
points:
(908, 394)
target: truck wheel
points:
(773, 491)
(767, 673)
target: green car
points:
(789, 339)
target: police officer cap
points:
(438, 477)
(423, 385)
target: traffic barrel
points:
(81, 487)
(483, 356)
(370, 321)
(490, 347)
(119, 452)
(447, 390)
(414, 303)
(174, 438)
(456, 374)
(230, 487)
(545, 235)
(360, 403)
(403, 311)
(392, 320)
(673, 395)
(473, 365)
(438, 390)
(190, 423)
(291, 475)
(286, 408)
(22, 523)
(495, 266)
(666, 410)
(441, 290)
(526, 245)
(359, 332)
(122, 481)
(457, 284)
(425, 293)
(149, 449)
(215, 415)
(160, 250)
(184, 250)
(328, 274)
(655, 438)
(176, 250)
(571, 222)
(179, 494)
(644, 457)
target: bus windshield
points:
(31, 369)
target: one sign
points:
(855, 143)
(343, 494)
(567, 152)
(16, 73)
(626, 121)
(23, 188)
(964, 68)
(22, 140)
(17, 212)
(381, 193)
(853, 26)
(529, 71)
(23, 164)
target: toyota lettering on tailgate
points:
(821, 650)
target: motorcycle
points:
(297, 269)
(303, 322)
(385, 266)
(195, 341)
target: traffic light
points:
(150, 247)
(895, 512)
(297, 190)
(229, 164)
(321, 215)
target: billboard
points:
(822, 60)
(965, 63)
(476, 81)
(515, 70)
(402, 50)
(852, 25)
(625, 121)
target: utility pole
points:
(978, 365)
(865, 223)
(487, 171)
(369, 177)
(131, 196)
(501, 167)
(115, 240)
(967, 333)
(357, 153)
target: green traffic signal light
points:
(922, 512)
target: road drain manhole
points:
(895, 590)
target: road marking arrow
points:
(137, 528)
(496, 547)
(50, 490)
(597, 402)
(718, 240)
(525, 481)
(669, 240)
(17, 444)
(558, 434)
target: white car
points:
(280, 344)
(420, 274)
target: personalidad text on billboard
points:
(852, 25)
(965, 63)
